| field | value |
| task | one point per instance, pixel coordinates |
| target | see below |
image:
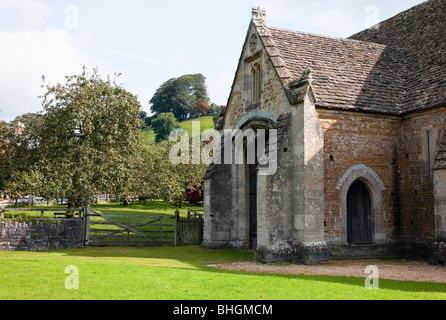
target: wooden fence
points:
(58, 213)
(127, 230)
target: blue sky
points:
(150, 41)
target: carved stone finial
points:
(258, 13)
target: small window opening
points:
(255, 82)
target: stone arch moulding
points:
(262, 115)
(241, 184)
(376, 188)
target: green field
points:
(148, 136)
(177, 273)
(180, 273)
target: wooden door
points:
(253, 206)
(359, 215)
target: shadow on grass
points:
(199, 258)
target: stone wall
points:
(440, 204)
(273, 98)
(40, 236)
(367, 141)
(397, 153)
(421, 132)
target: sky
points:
(150, 42)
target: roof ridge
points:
(279, 43)
(376, 26)
(303, 32)
(279, 63)
(348, 40)
(364, 72)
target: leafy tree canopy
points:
(157, 178)
(89, 137)
(164, 125)
(185, 97)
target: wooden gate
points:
(141, 230)
(189, 230)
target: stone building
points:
(361, 144)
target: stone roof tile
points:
(396, 68)
(347, 74)
(421, 31)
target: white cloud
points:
(148, 41)
(23, 14)
(25, 57)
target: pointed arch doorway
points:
(253, 205)
(359, 214)
(248, 187)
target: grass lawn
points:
(179, 273)
(176, 273)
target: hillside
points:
(148, 136)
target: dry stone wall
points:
(40, 236)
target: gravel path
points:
(403, 270)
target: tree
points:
(19, 155)
(164, 125)
(157, 178)
(198, 109)
(4, 155)
(176, 95)
(89, 137)
(215, 109)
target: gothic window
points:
(255, 82)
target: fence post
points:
(200, 227)
(177, 227)
(161, 231)
(86, 225)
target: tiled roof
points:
(421, 31)
(392, 70)
(346, 74)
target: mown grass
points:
(180, 273)
(177, 273)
